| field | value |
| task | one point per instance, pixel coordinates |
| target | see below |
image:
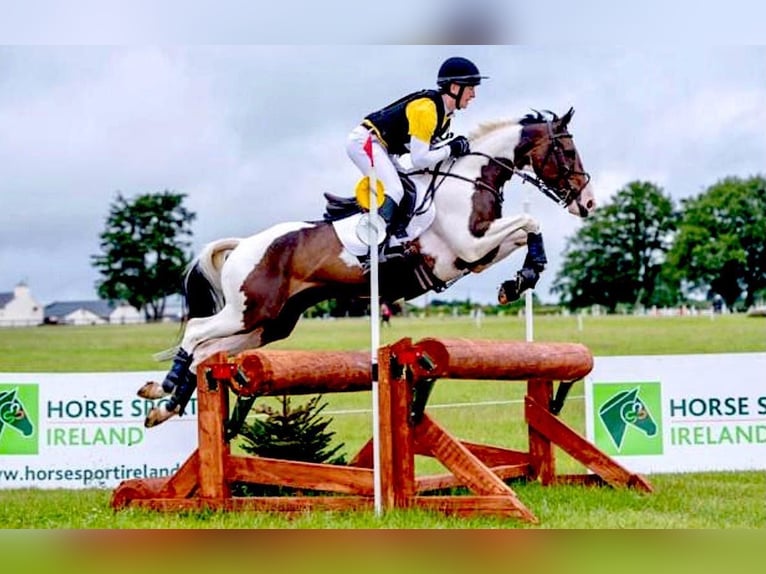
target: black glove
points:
(459, 147)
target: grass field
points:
(697, 500)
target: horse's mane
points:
(539, 117)
(485, 128)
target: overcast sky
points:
(254, 134)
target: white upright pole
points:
(528, 316)
(374, 329)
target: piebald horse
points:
(243, 293)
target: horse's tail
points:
(202, 291)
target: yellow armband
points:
(421, 116)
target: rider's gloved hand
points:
(459, 147)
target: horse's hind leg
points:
(181, 380)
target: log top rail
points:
(509, 360)
(272, 372)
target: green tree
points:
(617, 256)
(721, 243)
(145, 247)
(293, 433)
(289, 433)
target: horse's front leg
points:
(506, 235)
(529, 274)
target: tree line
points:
(642, 249)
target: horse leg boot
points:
(529, 274)
(176, 374)
(176, 403)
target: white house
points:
(97, 312)
(19, 309)
(124, 314)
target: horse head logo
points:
(13, 414)
(623, 409)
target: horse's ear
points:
(566, 117)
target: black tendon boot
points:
(178, 371)
(535, 258)
(529, 274)
(183, 391)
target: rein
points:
(498, 193)
(554, 150)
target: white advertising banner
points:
(86, 430)
(679, 413)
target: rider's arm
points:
(421, 116)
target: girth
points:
(408, 276)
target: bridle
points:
(555, 151)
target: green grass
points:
(680, 501)
(699, 500)
(130, 347)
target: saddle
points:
(339, 207)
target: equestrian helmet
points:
(459, 71)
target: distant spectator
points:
(717, 304)
(385, 314)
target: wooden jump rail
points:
(407, 373)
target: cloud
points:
(255, 134)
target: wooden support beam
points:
(212, 412)
(300, 475)
(542, 457)
(467, 467)
(580, 449)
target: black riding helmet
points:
(460, 71)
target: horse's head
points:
(547, 146)
(623, 409)
(13, 414)
(635, 413)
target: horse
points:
(623, 410)
(243, 293)
(13, 414)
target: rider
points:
(416, 123)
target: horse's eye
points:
(570, 154)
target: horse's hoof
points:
(508, 292)
(159, 415)
(152, 391)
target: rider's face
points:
(469, 93)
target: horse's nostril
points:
(589, 205)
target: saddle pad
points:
(346, 230)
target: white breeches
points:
(385, 170)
